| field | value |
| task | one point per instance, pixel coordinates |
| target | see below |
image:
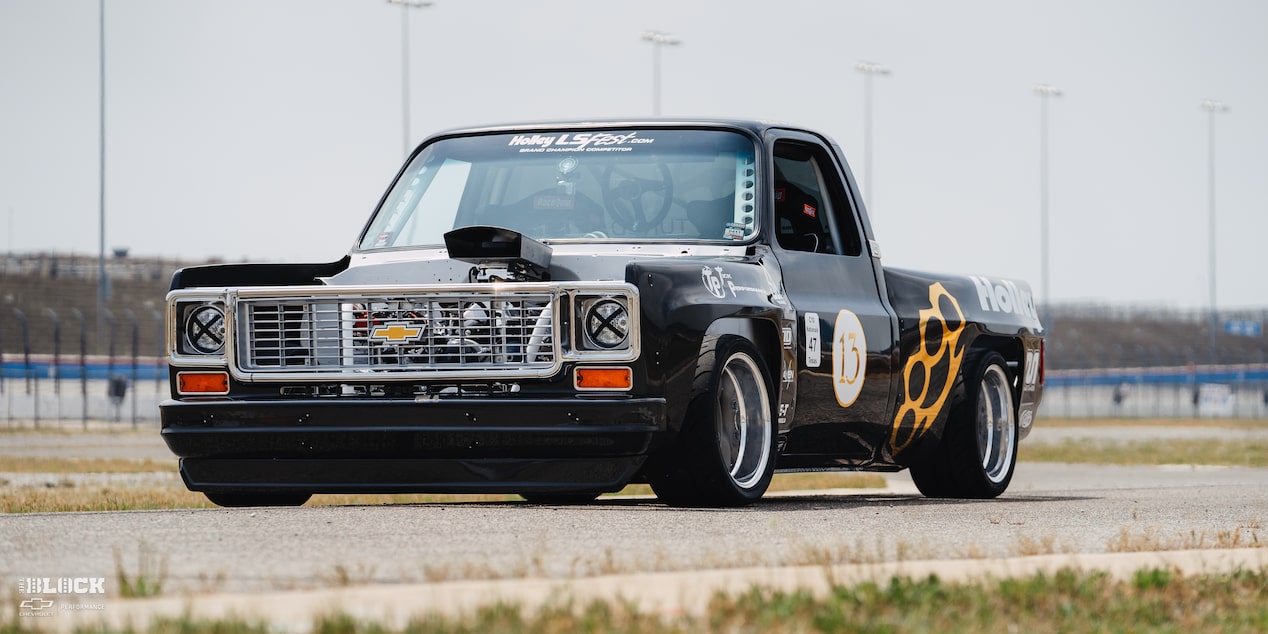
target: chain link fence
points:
(1101, 360)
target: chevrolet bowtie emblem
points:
(36, 604)
(396, 333)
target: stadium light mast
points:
(869, 70)
(103, 282)
(1211, 107)
(406, 5)
(658, 39)
(1045, 91)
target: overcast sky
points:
(268, 130)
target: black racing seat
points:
(799, 217)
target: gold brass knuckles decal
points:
(931, 369)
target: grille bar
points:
(433, 334)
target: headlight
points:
(607, 323)
(603, 324)
(203, 328)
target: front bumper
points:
(384, 445)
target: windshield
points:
(657, 184)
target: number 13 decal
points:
(849, 358)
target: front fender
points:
(683, 300)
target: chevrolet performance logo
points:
(396, 333)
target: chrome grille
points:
(500, 333)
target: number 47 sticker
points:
(849, 358)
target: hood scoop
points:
(499, 254)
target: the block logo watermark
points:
(46, 596)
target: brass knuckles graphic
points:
(931, 370)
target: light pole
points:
(103, 282)
(658, 40)
(869, 70)
(1211, 107)
(1044, 91)
(406, 5)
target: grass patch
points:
(1204, 451)
(1151, 599)
(372, 499)
(1201, 423)
(150, 573)
(807, 481)
(1152, 539)
(34, 464)
(63, 499)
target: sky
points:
(268, 130)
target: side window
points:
(811, 209)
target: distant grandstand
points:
(1104, 336)
(1102, 360)
(53, 288)
(1079, 336)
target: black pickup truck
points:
(558, 310)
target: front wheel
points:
(725, 455)
(978, 452)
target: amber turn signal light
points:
(603, 379)
(202, 382)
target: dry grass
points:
(782, 482)
(1201, 423)
(1150, 600)
(66, 498)
(808, 481)
(29, 464)
(827, 480)
(378, 499)
(1026, 546)
(1152, 538)
(1204, 451)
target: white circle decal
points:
(849, 358)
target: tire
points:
(978, 452)
(238, 500)
(560, 499)
(725, 453)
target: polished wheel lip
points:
(744, 421)
(996, 425)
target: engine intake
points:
(496, 249)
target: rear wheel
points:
(978, 452)
(725, 455)
(234, 500)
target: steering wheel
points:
(626, 196)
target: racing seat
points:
(799, 217)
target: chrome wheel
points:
(724, 455)
(996, 427)
(977, 454)
(744, 421)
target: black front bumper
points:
(381, 445)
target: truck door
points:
(846, 329)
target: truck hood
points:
(568, 262)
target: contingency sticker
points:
(849, 358)
(813, 350)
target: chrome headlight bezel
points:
(199, 329)
(604, 324)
